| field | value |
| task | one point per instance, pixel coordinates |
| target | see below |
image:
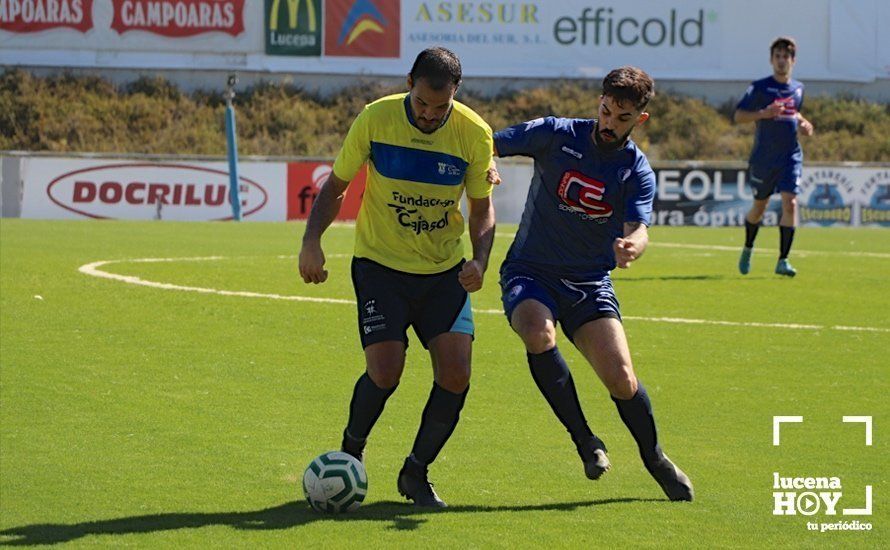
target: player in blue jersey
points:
(775, 165)
(587, 211)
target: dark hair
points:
(438, 66)
(784, 43)
(629, 84)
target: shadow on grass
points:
(402, 516)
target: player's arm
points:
(748, 109)
(355, 151)
(805, 125)
(771, 111)
(638, 214)
(481, 236)
(527, 139)
(324, 211)
(632, 245)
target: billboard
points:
(66, 188)
(22, 16)
(362, 28)
(178, 18)
(293, 27)
(839, 40)
(689, 194)
(304, 180)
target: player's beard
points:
(608, 146)
(435, 125)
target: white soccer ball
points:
(335, 482)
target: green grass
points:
(139, 416)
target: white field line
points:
(93, 270)
(723, 248)
(773, 251)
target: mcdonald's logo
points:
(293, 27)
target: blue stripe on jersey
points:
(405, 163)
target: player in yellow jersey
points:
(423, 150)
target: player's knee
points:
(540, 340)
(538, 335)
(622, 383)
(758, 209)
(385, 376)
(454, 378)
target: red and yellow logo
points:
(362, 28)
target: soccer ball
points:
(335, 482)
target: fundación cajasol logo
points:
(826, 499)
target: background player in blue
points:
(587, 211)
(775, 165)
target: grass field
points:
(155, 416)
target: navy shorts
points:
(572, 301)
(389, 301)
(774, 179)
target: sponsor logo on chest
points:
(583, 195)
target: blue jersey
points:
(775, 140)
(580, 197)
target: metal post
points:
(232, 149)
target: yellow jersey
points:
(410, 217)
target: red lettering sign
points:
(40, 15)
(107, 190)
(179, 18)
(304, 180)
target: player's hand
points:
(625, 252)
(470, 276)
(772, 110)
(493, 177)
(806, 127)
(312, 263)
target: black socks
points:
(636, 413)
(365, 408)
(439, 419)
(551, 374)
(786, 237)
(750, 233)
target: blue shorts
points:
(389, 301)
(572, 302)
(772, 179)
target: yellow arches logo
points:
(293, 8)
(293, 27)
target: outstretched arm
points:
(324, 211)
(632, 245)
(482, 237)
